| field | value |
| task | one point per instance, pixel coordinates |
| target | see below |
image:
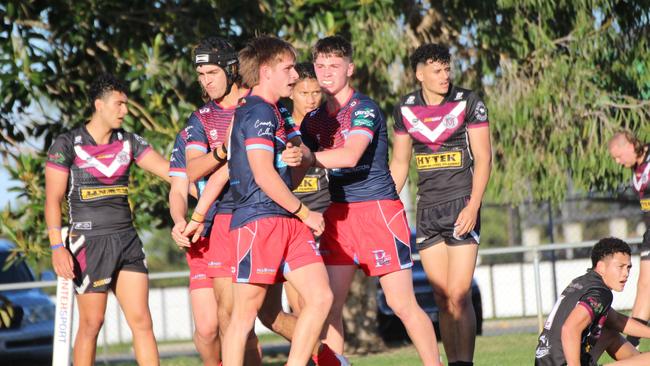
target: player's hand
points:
(193, 230)
(315, 222)
(62, 263)
(292, 155)
(465, 221)
(177, 234)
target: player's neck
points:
(99, 131)
(231, 99)
(641, 159)
(432, 98)
(266, 92)
(336, 101)
(297, 116)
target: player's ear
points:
(99, 103)
(350, 70)
(419, 73)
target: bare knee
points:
(206, 331)
(403, 307)
(323, 301)
(140, 322)
(90, 325)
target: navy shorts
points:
(436, 224)
(98, 259)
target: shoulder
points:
(410, 98)
(131, 136)
(362, 106)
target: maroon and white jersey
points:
(442, 153)
(98, 181)
(641, 184)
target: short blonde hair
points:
(631, 138)
(260, 51)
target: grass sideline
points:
(503, 350)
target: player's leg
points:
(132, 292)
(247, 299)
(204, 313)
(400, 296)
(292, 297)
(272, 315)
(311, 282)
(92, 307)
(618, 348)
(340, 278)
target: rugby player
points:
(583, 325)
(447, 126)
(89, 166)
(627, 150)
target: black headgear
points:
(216, 51)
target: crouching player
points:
(582, 324)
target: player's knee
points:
(270, 318)
(402, 307)
(206, 331)
(322, 300)
(91, 325)
(140, 322)
(459, 300)
(442, 300)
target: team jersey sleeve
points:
(476, 112)
(305, 133)
(597, 301)
(139, 146)
(177, 167)
(196, 137)
(60, 156)
(260, 134)
(289, 124)
(398, 127)
(366, 118)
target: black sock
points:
(461, 363)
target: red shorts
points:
(373, 234)
(270, 247)
(196, 260)
(220, 253)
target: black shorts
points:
(98, 259)
(436, 224)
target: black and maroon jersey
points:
(98, 183)
(313, 190)
(640, 181)
(206, 129)
(258, 125)
(442, 153)
(370, 180)
(588, 291)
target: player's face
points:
(112, 108)
(623, 153)
(306, 96)
(333, 72)
(213, 80)
(615, 270)
(434, 77)
(283, 76)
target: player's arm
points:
(56, 182)
(479, 140)
(154, 163)
(213, 188)
(268, 179)
(200, 164)
(577, 321)
(178, 208)
(400, 160)
(347, 156)
(627, 325)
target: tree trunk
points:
(360, 317)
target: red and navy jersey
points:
(641, 183)
(177, 168)
(588, 291)
(258, 125)
(370, 179)
(206, 129)
(313, 190)
(98, 181)
(443, 156)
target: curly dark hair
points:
(430, 51)
(104, 84)
(305, 70)
(606, 247)
(333, 45)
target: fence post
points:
(538, 289)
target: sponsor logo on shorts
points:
(381, 258)
(308, 184)
(314, 246)
(266, 271)
(215, 264)
(444, 160)
(198, 276)
(84, 225)
(645, 204)
(102, 282)
(94, 193)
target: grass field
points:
(504, 350)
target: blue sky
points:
(5, 183)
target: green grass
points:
(504, 350)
